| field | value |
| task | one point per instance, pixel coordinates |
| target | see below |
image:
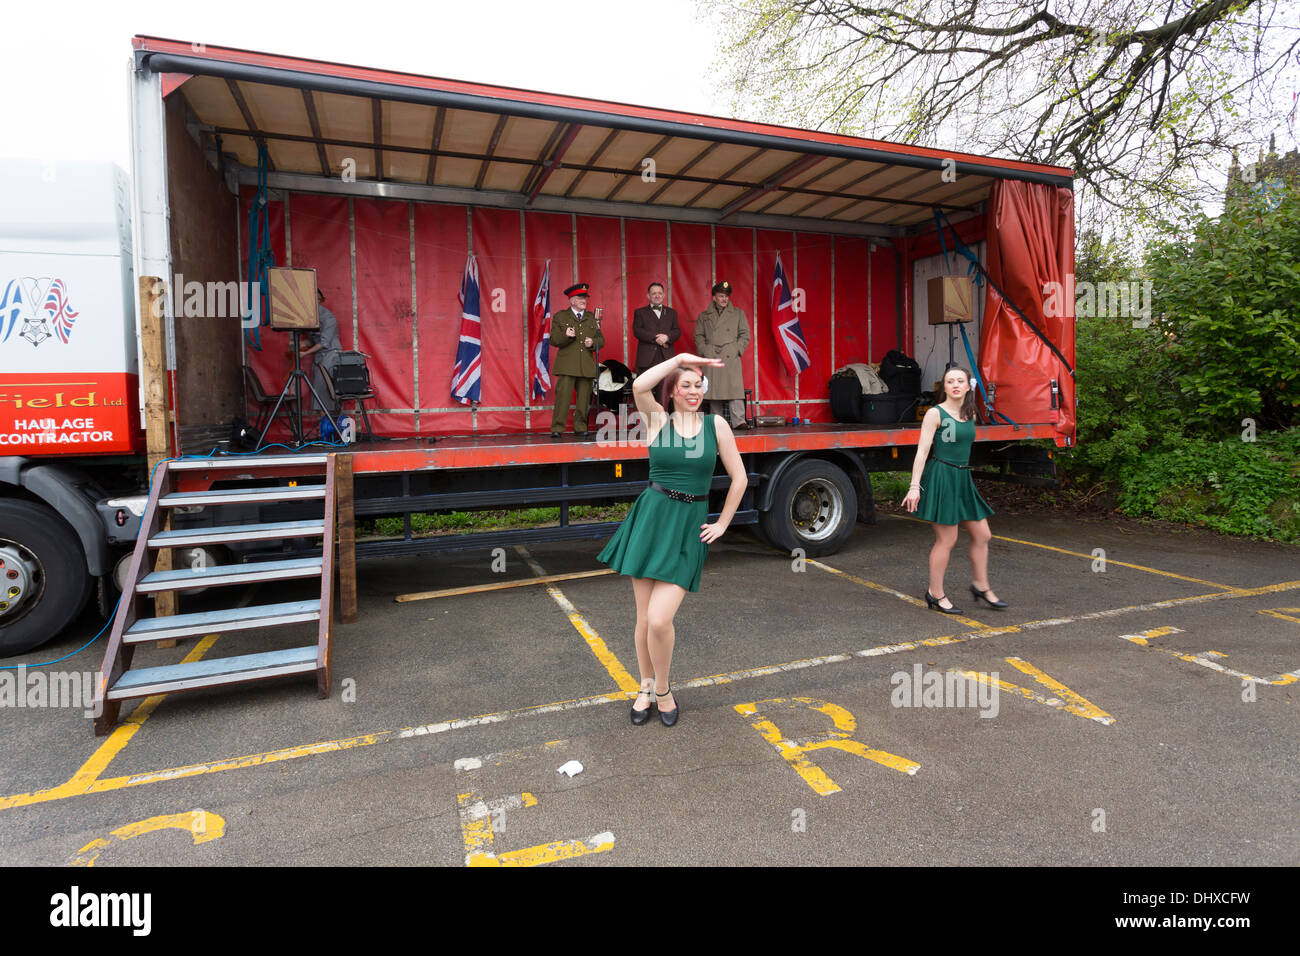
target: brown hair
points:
(669, 385)
(968, 405)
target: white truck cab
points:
(70, 431)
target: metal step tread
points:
(230, 574)
(226, 533)
(227, 619)
(214, 671)
(223, 496)
(249, 463)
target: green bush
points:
(1231, 485)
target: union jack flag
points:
(785, 323)
(466, 376)
(61, 314)
(542, 323)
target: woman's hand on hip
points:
(710, 533)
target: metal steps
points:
(298, 479)
(245, 496)
(222, 574)
(233, 534)
(214, 673)
(231, 619)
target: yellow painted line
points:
(1009, 688)
(1145, 636)
(1122, 564)
(561, 850)
(200, 824)
(1077, 704)
(607, 658)
(476, 829)
(969, 622)
(1277, 613)
(1093, 557)
(387, 736)
(84, 780)
(1143, 640)
(795, 752)
(476, 823)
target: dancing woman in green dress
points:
(662, 543)
(944, 493)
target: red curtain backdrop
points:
(1031, 244)
(811, 272)
(411, 348)
(384, 317)
(441, 245)
(498, 244)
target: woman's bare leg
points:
(642, 588)
(665, 599)
(945, 536)
(979, 555)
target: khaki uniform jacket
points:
(572, 357)
(723, 334)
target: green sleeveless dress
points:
(660, 537)
(948, 494)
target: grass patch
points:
(472, 522)
(890, 485)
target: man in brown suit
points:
(722, 331)
(655, 327)
(575, 333)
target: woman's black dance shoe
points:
(639, 717)
(936, 606)
(979, 595)
(669, 717)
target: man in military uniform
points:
(655, 327)
(722, 331)
(575, 332)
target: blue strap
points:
(988, 406)
(261, 257)
(939, 219)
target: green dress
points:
(660, 537)
(948, 494)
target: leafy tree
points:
(1228, 301)
(1138, 97)
(1124, 382)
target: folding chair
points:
(264, 402)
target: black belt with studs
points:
(677, 495)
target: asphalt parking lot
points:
(1145, 714)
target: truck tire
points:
(44, 583)
(814, 507)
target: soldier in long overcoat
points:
(722, 331)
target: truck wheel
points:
(814, 508)
(43, 579)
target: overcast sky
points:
(64, 72)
